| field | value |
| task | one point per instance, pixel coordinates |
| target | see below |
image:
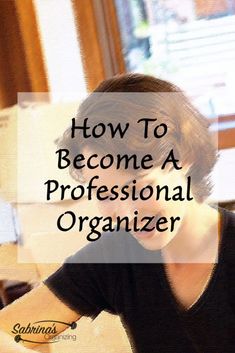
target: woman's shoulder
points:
(228, 235)
(228, 221)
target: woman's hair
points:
(136, 96)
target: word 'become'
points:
(119, 161)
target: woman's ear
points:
(185, 168)
(168, 168)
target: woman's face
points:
(175, 212)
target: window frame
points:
(100, 41)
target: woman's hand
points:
(26, 350)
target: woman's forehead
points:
(112, 176)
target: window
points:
(188, 42)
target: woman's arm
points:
(39, 304)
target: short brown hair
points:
(189, 134)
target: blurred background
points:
(63, 45)
(65, 48)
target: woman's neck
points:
(197, 239)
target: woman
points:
(166, 284)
